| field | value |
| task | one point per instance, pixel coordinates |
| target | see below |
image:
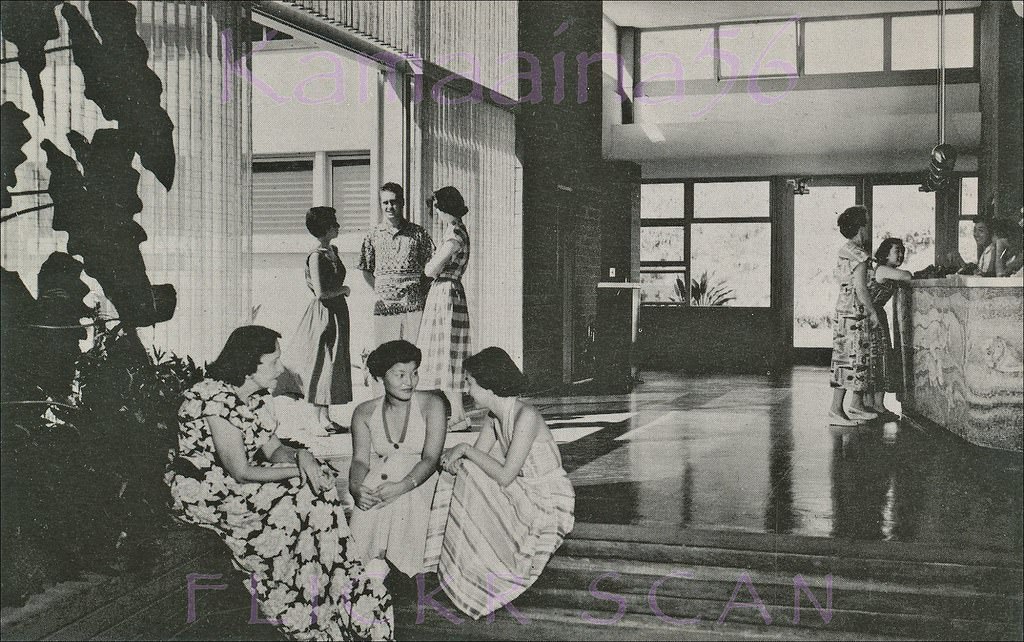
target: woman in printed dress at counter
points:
(852, 322)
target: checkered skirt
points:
(444, 337)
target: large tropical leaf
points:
(13, 135)
(96, 208)
(30, 24)
(119, 81)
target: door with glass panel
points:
(907, 213)
(816, 241)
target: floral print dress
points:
(851, 328)
(293, 541)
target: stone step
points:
(655, 533)
(717, 583)
(557, 622)
(862, 622)
(999, 579)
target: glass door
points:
(815, 244)
(906, 213)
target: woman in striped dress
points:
(444, 331)
(512, 504)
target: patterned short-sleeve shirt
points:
(397, 256)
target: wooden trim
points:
(859, 16)
(778, 84)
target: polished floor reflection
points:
(756, 454)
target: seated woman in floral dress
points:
(276, 507)
(512, 504)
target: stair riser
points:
(915, 626)
(982, 579)
(976, 607)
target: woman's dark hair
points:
(494, 370)
(851, 220)
(882, 253)
(449, 200)
(320, 219)
(388, 354)
(395, 189)
(242, 353)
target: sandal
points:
(839, 420)
(459, 425)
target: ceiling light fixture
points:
(943, 156)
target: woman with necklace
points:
(397, 440)
(512, 504)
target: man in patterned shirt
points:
(392, 260)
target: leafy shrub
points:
(82, 483)
(704, 293)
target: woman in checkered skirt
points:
(444, 331)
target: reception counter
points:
(962, 340)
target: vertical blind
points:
(472, 147)
(199, 232)
(281, 191)
(453, 34)
(350, 186)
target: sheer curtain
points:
(472, 147)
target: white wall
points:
(342, 118)
(312, 100)
(836, 131)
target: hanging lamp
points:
(943, 155)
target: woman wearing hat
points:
(444, 331)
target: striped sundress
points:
(444, 331)
(498, 540)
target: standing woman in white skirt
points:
(444, 331)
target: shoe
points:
(336, 428)
(459, 425)
(857, 414)
(839, 420)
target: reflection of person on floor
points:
(444, 332)
(512, 504)
(276, 507)
(885, 372)
(396, 443)
(319, 352)
(851, 325)
(392, 259)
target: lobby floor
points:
(756, 454)
(726, 476)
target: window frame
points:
(774, 83)
(306, 162)
(686, 223)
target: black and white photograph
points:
(512, 320)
